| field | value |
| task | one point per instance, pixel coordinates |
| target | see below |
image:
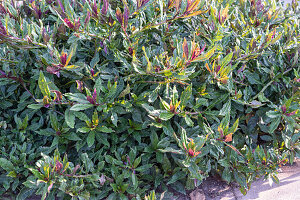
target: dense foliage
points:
(116, 98)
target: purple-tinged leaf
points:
(79, 85)
(126, 16)
(50, 187)
(2, 29)
(58, 95)
(95, 95)
(87, 19)
(291, 113)
(53, 70)
(2, 10)
(69, 23)
(63, 58)
(61, 6)
(185, 49)
(102, 179)
(105, 7)
(105, 49)
(2, 73)
(241, 69)
(46, 102)
(58, 166)
(119, 16)
(90, 100)
(75, 169)
(46, 37)
(197, 52)
(92, 72)
(77, 24)
(283, 108)
(95, 9)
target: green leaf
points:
(72, 136)
(90, 139)
(6, 164)
(84, 129)
(274, 124)
(104, 129)
(144, 168)
(25, 193)
(256, 104)
(179, 187)
(240, 179)
(226, 60)
(29, 183)
(81, 116)
(54, 122)
(78, 97)
(137, 162)
(226, 174)
(43, 85)
(35, 106)
(262, 98)
(79, 107)
(206, 56)
(112, 91)
(36, 173)
(188, 121)
(273, 114)
(114, 119)
(217, 100)
(70, 118)
(201, 102)
(165, 104)
(102, 139)
(194, 171)
(177, 176)
(234, 127)
(225, 121)
(46, 132)
(125, 91)
(165, 115)
(134, 180)
(226, 108)
(185, 95)
(12, 174)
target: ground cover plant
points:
(114, 99)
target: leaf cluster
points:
(144, 95)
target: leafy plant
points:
(145, 95)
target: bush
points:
(143, 95)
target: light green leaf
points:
(188, 121)
(226, 60)
(185, 95)
(226, 108)
(43, 85)
(78, 107)
(206, 56)
(134, 180)
(166, 115)
(114, 119)
(234, 127)
(273, 114)
(35, 106)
